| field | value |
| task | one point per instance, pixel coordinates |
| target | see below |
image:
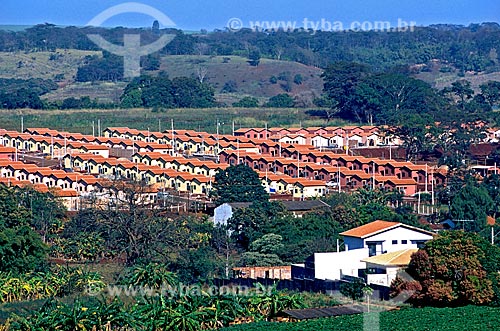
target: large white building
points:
(374, 239)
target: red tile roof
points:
(369, 229)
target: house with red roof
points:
(381, 237)
(373, 239)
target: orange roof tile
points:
(369, 229)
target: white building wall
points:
(400, 234)
(333, 265)
(382, 279)
(222, 214)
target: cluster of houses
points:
(186, 161)
(293, 164)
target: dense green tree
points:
(238, 184)
(254, 58)
(107, 68)
(353, 289)
(151, 62)
(247, 102)
(21, 248)
(160, 91)
(472, 202)
(455, 143)
(156, 27)
(463, 91)
(491, 93)
(386, 98)
(492, 185)
(298, 79)
(341, 80)
(454, 269)
(264, 251)
(418, 134)
(230, 87)
(280, 101)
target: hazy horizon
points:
(191, 15)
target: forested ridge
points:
(471, 48)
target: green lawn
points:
(196, 119)
(425, 319)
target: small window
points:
(404, 242)
(394, 242)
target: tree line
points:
(471, 48)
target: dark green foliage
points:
(151, 62)
(491, 93)
(456, 268)
(254, 58)
(107, 68)
(80, 103)
(357, 93)
(280, 101)
(471, 318)
(229, 87)
(248, 224)
(341, 81)
(19, 93)
(238, 184)
(21, 248)
(264, 251)
(297, 79)
(156, 27)
(472, 202)
(353, 289)
(180, 92)
(247, 102)
(463, 48)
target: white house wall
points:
(333, 265)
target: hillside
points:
(62, 65)
(440, 78)
(254, 81)
(46, 65)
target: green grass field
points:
(196, 119)
(412, 319)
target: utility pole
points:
(338, 177)
(373, 177)
(173, 137)
(426, 178)
(218, 142)
(298, 164)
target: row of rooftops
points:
(308, 156)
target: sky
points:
(215, 14)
